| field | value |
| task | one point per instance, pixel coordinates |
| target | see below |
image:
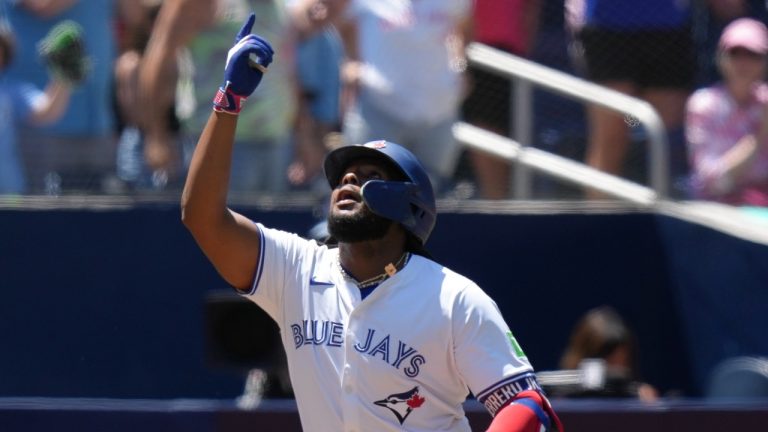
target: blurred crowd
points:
(350, 71)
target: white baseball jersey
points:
(404, 358)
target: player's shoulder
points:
(458, 295)
(290, 240)
(448, 279)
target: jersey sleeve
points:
(282, 258)
(489, 359)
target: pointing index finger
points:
(246, 29)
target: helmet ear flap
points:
(385, 198)
(397, 201)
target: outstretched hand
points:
(247, 61)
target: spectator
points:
(263, 151)
(602, 334)
(402, 73)
(133, 167)
(727, 123)
(643, 49)
(710, 19)
(22, 103)
(76, 152)
(508, 25)
(318, 62)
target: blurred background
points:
(601, 169)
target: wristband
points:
(227, 101)
(529, 411)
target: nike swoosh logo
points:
(314, 282)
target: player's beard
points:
(361, 226)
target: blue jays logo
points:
(402, 404)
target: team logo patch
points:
(378, 145)
(402, 404)
(516, 346)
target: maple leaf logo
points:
(415, 401)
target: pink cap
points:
(745, 33)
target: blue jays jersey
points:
(403, 358)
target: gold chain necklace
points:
(389, 271)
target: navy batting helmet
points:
(410, 202)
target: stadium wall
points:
(110, 303)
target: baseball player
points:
(378, 336)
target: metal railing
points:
(525, 75)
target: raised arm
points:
(62, 51)
(228, 239)
(177, 23)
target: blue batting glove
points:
(247, 61)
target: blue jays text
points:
(394, 352)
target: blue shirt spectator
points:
(16, 102)
(90, 110)
(79, 148)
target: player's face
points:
(349, 219)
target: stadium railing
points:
(526, 74)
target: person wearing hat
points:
(727, 123)
(377, 335)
